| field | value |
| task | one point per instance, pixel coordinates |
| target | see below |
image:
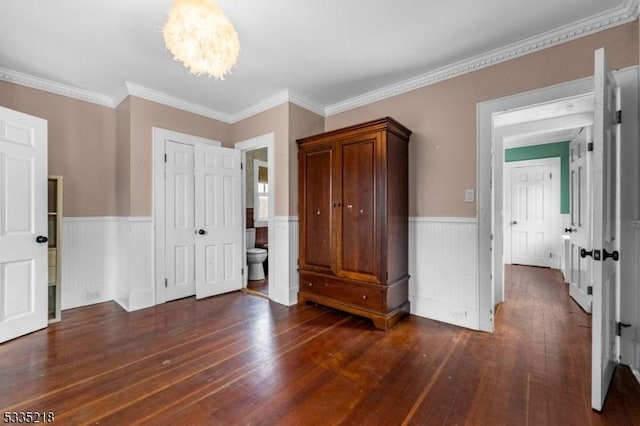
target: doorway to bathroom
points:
(258, 196)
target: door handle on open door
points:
(201, 231)
(569, 229)
(514, 222)
(41, 239)
(614, 255)
(596, 254)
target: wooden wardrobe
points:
(353, 210)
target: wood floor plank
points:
(240, 359)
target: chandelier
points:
(199, 35)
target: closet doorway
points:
(197, 216)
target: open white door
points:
(580, 269)
(218, 221)
(604, 244)
(23, 224)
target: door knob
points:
(201, 231)
(514, 222)
(614, 255)
(41, 239)
(569, 230)
(584, 253)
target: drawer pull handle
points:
(364, 297)
(310, 284)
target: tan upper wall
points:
(81, 146)
(443, 116)
(123, 158)
(276, 121)
(145, 115)
(302, 122)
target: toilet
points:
(255, 256)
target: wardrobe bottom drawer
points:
(345, 292)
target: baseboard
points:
(636, 374)
(84, 297)
(283, 296)
(141, 299)
(123, 302)
(635, 368)
(463, 316)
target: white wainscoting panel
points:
(294, 276)
(107, 258)
(140, 266)
(122, 286)
(283, 280)
(89, 260)
(443, 268)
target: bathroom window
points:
(261, 193)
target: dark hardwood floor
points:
(260, 286)
(240, 359)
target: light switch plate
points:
(468, 195)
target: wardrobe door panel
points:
(318, 208)
(357, 250)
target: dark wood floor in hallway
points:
(239, 359)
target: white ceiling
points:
(324, 51)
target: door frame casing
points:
(267, 140)
(159, 136)
(554, 164)
(489, 169)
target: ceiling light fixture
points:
(199, 35)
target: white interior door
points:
(180, 221)
(23, 224)
(219, 221)
(531, 221)
(606, 140)
(580, 269)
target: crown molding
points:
(306, 103)
(627, 12)
(120, 96)
(171, 101)
(275, 100)
(263, 105)
(132, 89)
(27, 80)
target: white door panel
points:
(580, 271)
(23, 217)
(180, 221)
(219, 221)
(531, 221)
(605, 160)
